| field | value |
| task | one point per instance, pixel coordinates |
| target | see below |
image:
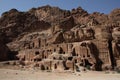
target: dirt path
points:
(7, 74)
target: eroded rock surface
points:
(54, 39)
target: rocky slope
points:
(57, 25)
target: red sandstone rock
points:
(54, 39)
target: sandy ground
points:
(8, 74)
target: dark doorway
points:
(42, 67)
(60, 51)
(70, 58)
(73, 52)
(36, 53)
(75, 61)
(55, 66)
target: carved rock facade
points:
(54, 39)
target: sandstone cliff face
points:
(115, 15)
(14, 23)
(77, 36)
(49, 14)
